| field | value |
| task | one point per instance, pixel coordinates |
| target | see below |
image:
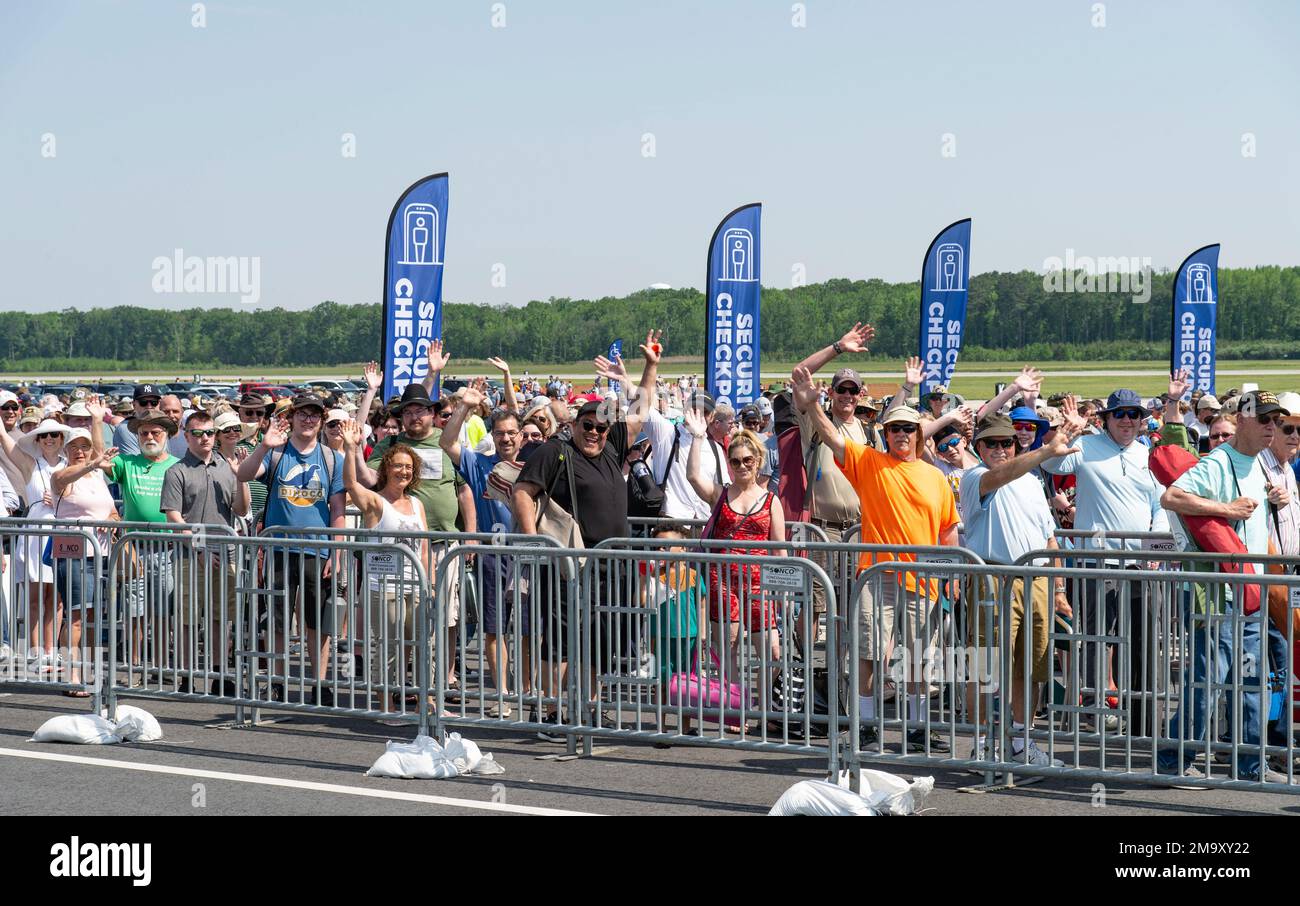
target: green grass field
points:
(973, 379)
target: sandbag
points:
(78, 729)
(137, 725)
(425, 759)
(882, 794)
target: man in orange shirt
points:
(905, 501)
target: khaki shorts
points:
(883, 619)
(982, 620)
(202, 584)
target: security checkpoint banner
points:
(945, 284)
(1196, 306)
(614, 353)
(417, 233)
(732, 290)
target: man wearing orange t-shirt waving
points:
(906, 502)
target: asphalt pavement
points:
(312, 764)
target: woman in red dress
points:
(742, 511)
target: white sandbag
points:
(488, 765)
(424, 759)
(464, 754)
(137, 725)
(821, 798)
(892, 794)
(78, 729)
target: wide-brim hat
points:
(134, 425)
(27, 443)
(901, 414)
(413, 395)
(1125, 399)
(1291, 403)
(995, 425)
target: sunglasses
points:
(235, 430)
(1288, 430)
(904, 428)
(1128, 413)
(597, 427)
(334, 424)
(442, 413)
(48, 435)
(1025, 426)
(1005, 443)
(1269, 420)
(10, 407)
(203, 432)
(847, 388)
(947, 445)
(1222, 436)
(745, 462)
(148, 404)
(309, 414)
(252, 413)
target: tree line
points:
(1010, 317)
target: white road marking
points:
(294, 784)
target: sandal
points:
(76, 693)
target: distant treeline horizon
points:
(1010, 317)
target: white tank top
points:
(393, 520)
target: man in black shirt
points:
(595, 451)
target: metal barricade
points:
(252, 621)
(53, 630)
(644, 526)
(1175, 644)
(1081, 539)
(642, 644)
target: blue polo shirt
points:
(1114, 489)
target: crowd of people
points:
(908, 471)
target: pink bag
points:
(690, 691)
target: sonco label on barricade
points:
(1162, 545)
(938, 557)
(530, 545)
(784, 578)
(1295, 596)
(68, 547)
(384, 564)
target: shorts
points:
(499, 593)
(147, 583)
(918, 620)
(983, 620)
(205, 589)
(75, 582)
(393, 635)
(298, 575)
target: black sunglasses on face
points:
(1288, 430)
(904, 428)
(10, 407)
(1127, 413)
(847, 388)
(1006, 443)
(747, 462)
(203, 432)
(1222, 435)
(594, 426)
(47, 435)
(1269, 419)
(235, 430)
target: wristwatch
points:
(837, 347)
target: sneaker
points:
(1191, 772)
(325, 698)
(647, 668)
(224, 688)
(5, 653)
(1032, 755)
(551, 735)
(868, 736)
(916, 741)
(1271, 776)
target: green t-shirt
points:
(141, 481)
(439, 479)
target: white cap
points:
(1290, 402)
(336, 414)
(7, 396)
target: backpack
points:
(645, 496)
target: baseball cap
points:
(145, 391)
(1208, 401)
(702, 400)
(846, 374)
(1260, 402)
(227, 419)
(593, 407)
(750, 412)
(307, 401)
(31, 414)
(336, 415)
(7, 397)
(764, 406)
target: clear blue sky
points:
(225, 140)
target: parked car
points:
(334, 386)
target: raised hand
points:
(351, 434)
(965, 417)
(374, 377)
(1029, 380)
(499, 364)
(696, 423)
(106, 457)
(277, 434)
(1179, 381)
(1062, 440)
(437, 359)
(611, 371)
(473, 394)
(914, 372)
(857, 338)
(96, 407)
(652, 348)
(802, 387)
(1070, 412)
